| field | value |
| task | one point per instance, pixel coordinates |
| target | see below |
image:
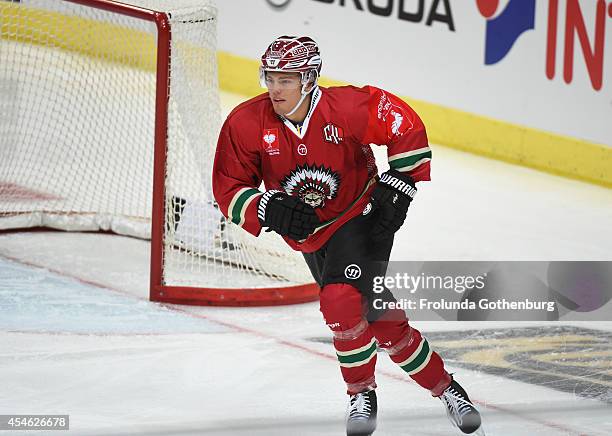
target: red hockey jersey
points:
(328, 162)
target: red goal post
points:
(154, 163)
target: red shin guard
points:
(342, 308)
(411, 351)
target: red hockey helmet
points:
(292, 54)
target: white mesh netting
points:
(77, 125)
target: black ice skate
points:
(361, 414)
(460, 409)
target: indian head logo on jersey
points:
(400, 123)
(271, 142)
(332, 133)
(312, 184)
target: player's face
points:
(285, 90)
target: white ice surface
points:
(78, 335)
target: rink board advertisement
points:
(523, 80)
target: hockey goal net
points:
(109, 119)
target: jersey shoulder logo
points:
(333, 133)
(312, 184)
(386, 109)
(270, 141)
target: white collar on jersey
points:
(314, 101)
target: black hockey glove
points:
(392, 196)
(287, 215)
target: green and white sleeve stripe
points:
(410, 160)
(236, 211)
(357, 357)
(418, 360)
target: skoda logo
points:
(278, 4)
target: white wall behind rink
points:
(435, 64)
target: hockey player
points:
(310, 147)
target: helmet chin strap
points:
(304, 94)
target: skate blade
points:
(480, 431)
